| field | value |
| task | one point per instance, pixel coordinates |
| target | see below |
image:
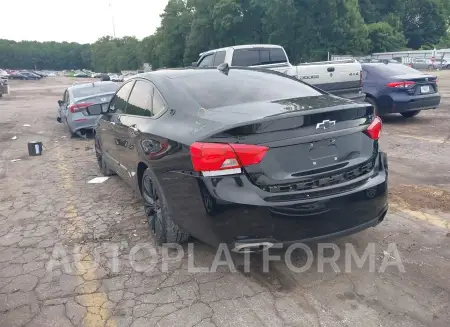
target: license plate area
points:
(425, 89)
(323, 150)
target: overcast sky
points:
(81, 21)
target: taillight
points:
(73, 108)
(374, 129)
(402, 84)
(221, 158)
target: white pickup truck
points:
(341, 77)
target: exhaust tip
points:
(252, 247)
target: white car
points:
(3, 73)
(116, 78)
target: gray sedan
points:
(72, 107)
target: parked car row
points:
(25, 74)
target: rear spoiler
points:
(212, 122)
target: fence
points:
(405, 57)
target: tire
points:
(158, 212)
(410, 114)
(102, 165)
(372, 102)
(72, 133)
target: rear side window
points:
(140, 101)
(119, 102)
(212, 89)
(158, 103)
(388, 70)
(219, 58)
(277, 55)
(245, 57)
(262, 56)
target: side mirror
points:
(194, 64)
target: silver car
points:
(425, 63)
(72, 107)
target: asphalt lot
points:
(47, 210)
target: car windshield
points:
(88, 90)
(212, 89)
(396, 69)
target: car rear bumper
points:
(410, 103)
(232, 210)
(79, 122)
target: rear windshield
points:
(212, 89)
(395, 69)
(88, 90)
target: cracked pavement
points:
(69, 255)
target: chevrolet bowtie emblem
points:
(326, 124)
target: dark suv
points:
(244, 157)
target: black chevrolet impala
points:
(245, 157)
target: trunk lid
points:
(307, 137)
(103, 98)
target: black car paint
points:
(392, 100)
(252, 206)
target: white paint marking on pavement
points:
(98, 180)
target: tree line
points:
(308, 29)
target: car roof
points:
(243, 46)
(89, 84)
(172, 73)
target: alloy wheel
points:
(152, 203)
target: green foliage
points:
(425, 22)
(444, 42)
(45, 55)
(385, 38)
(308, 29)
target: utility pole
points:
(112, 18)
